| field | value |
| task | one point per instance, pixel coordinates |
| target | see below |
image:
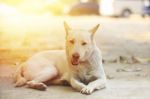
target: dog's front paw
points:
(87, 90)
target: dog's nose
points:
(76, 56)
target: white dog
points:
(80, 64)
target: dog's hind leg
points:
(61, 80)
(45, 75)
(18, 76)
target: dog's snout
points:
(76, 55)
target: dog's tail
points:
(18, 77)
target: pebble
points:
(128, 70)
(110, 77)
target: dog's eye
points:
(71, 41)
(84, 43)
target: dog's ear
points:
(94, 29)
(66, 26)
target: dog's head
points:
(79, 44)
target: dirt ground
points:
(116, 37)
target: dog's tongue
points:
(75, 62)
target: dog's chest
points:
(87, 75)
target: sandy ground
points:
(124, 85)
(126, 37)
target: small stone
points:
(110, 77)
(120, 70)
(138, 69)
(128, 70)
(138, 75)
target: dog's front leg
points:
(97, 84)
(76, 84)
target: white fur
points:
(56, 65)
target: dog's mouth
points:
(74, 61)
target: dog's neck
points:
(95, 58)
